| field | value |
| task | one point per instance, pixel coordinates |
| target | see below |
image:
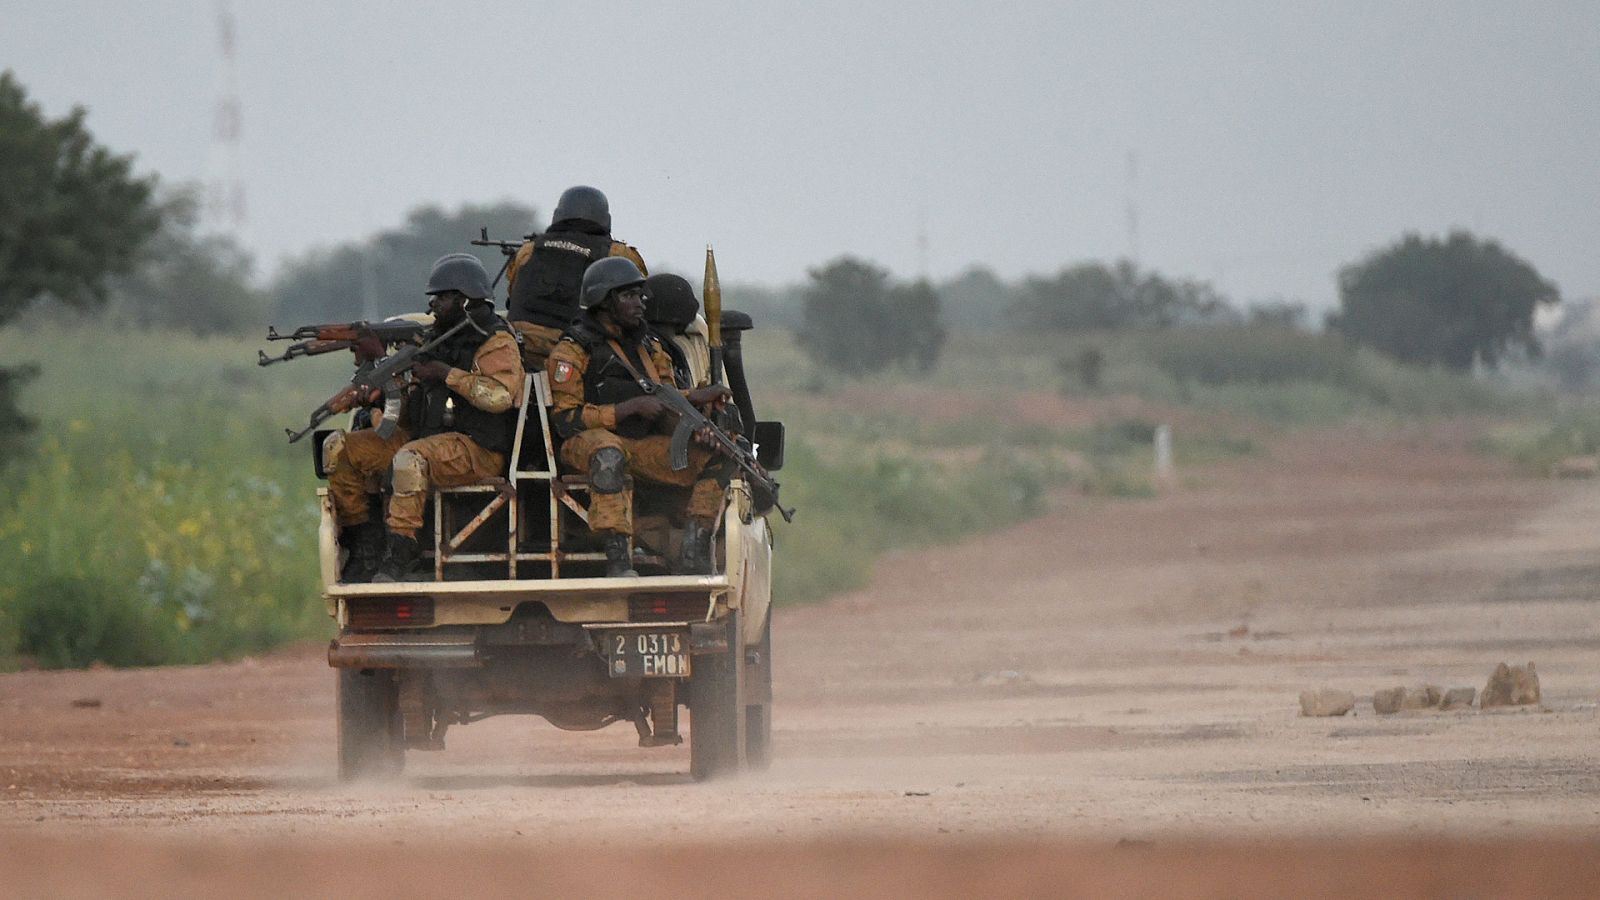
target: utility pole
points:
(225, 206)
(922, 243)
(1133, 207)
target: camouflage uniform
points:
(586, 383)
(442, 457)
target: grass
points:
(1538, 446)
(163, 518)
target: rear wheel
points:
(371, 738)
(716, 709)
(758, 703)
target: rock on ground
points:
(1326, 702)
(1511, 686)
(1425, 696)
(1388, 700)
(1459, 698)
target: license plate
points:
(647, 654)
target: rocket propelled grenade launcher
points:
(711, 290)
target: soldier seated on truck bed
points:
(457, 427)
(542, 280)
(609, 425)
(674, 317)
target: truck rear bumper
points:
(404, 651)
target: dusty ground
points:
(1064, 708)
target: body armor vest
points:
(546, 289)
(435, 409)
(606, 380)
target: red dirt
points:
(992, 718)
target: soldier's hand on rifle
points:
(707, 438)
(646, 407)
(430, 370)
(703, 397)
(367, 347)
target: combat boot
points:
(403, 554)
(695, 558)
(363, 545)
(619, 557)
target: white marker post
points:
(1166, 474)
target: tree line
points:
(80, 231)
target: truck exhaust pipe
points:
(404, 651)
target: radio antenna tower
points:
(922, 243)
(1133, 207)
(225, 194)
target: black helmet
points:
(672, 301)
(583, 202)
(605, 276)
(460, 272)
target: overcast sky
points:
(1272, 141)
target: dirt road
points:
(1115, 672)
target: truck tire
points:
(371, 743)
(716, 709)
(758, 715)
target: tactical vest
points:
(606, 380)
(546, 288)
(436, 409)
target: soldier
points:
(609, 424)
(543, 279)
(458, 425)
(674, 317)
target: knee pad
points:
(607, 468)
(410, 472)
(332, 447)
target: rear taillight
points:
(388, 612)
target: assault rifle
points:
(509, 248)
(379, 377)
(692, 421)
(318, 339)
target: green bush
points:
(1251, 355)
(852, 512)
(1537, 448)
(1293, 377)
(162, 518)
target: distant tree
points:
(977, 298)
(72, 216)
(1094, 295)
(1278, 314)
(391, 267)
(854, 320)
(914, 314)
(769, 307)
(1452, 302)
(1572, 346)
(844, 313)
(189, 281)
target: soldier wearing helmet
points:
(610, 427)
(457, 428)
(544, 276)
(674, 317)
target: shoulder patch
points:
(563, 371)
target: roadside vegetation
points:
(161, 517)
(154, 513)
